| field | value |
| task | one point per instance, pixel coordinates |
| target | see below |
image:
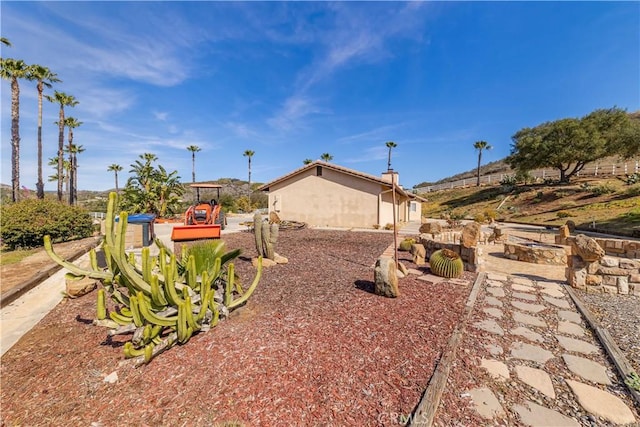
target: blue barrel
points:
(146, 220)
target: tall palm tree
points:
(480, 145)
(326, 157)
(249, 154)
(12, 70)
(194, 149)
(65, 101)
(44, 77)
(66, 166)
(390, 145)
(71, 123)
(115, 168)
(74, 150)
(307, 161)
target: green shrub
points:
(634, 178)
(632, 191)
(479, 218)
(563, 214)
(600, 190)
(24, 224)
(509, 181)
(490, 214)
(406, 244)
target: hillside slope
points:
(609, 205)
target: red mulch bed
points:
(314, 346)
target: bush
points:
(563, 214)
(24, 224)
(632, 191)
(509, 181)
(490, 214)
(634, 178)
(600, 190)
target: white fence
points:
(608, 168)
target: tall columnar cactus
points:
(446, 263)
(266, 237)
(161, 301)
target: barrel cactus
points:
(446, 263)
(406, 244)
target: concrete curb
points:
(15, 293)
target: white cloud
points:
(161, 116)
(294, 109)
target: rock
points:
(112, 378)
(403, 269)
(419, 253)
(564, 232)
(490, 326)
(558, 302)
(571, 316)
(274, 218)
(486, 403)
(470, 234)
(78, 287)
(279, 259)
(536, 415)
(385, 278)
(570, 225)
(266, 262)
(601, 403)
(587, 369)
(520, 350)
(577, 346)
(527, 319)
(536, 378)
(531, 308)
(527, 333)
(586, 248)
(569, 328)
(496, 369)
(431, 228)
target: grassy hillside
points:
(608, 204)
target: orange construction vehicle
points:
(202, 220)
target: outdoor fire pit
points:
(535, 252)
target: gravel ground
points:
(620, 315)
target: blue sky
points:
(293, 80)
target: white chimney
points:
(386, 176)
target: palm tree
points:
(249, 154)
(115, 168)
(326, 157)
(5, 41)
(390, 145)
(73, 151)
(12, 70)
(45, 77)
(66, 166)
(480, 145)
(64, 100)
(194, 149)
(307, 161)
(71, 123)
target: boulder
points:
(586, 248)
(385, 278)
(78, 287)
(419, 253)
(564, 231)
(570, 225)
(431, 227)
(470, 234)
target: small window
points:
(318, 170)
(414, 206)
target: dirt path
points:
(13, 275)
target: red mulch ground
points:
(314, 346)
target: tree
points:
(12, 70)
(390, 145)
(480, 145)
(151, 189)
(249, 154)
(307, 161)
(193, 149)
(64, 177)
(71, 123)
(5, 41)
(65, 101)
(74, 151)
(326, 157)
(44, 77)
(569, 144)
(115, 168)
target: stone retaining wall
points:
(543, 254)
(470, 256)
(614, 247)
(618, 272)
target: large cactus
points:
(266, 237)
(161, 301)
(446, 263)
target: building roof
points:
(343, 170)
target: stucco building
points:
(327, 195)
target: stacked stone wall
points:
(618, 272)
(470, 256)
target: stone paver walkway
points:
(538, 341)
